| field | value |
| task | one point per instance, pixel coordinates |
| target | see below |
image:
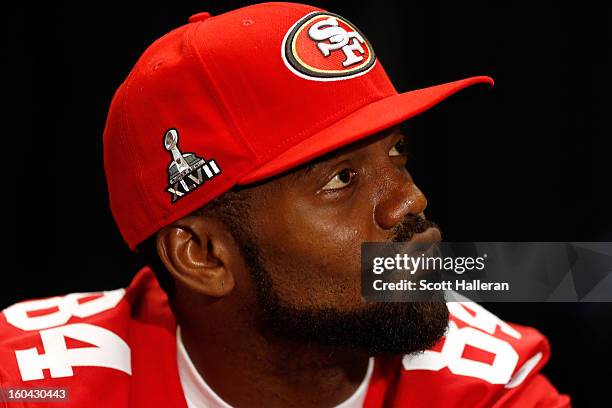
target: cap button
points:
(199, 17)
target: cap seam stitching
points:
(139, 169)
(229, 118)
(342, 113)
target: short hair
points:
(231, 208)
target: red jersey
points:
(118, 349)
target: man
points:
(248, 156)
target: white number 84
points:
(451, 355)
(109, 350)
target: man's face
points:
(303, 249)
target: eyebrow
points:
(311, 165)
(307, 169)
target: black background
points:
(525, 161)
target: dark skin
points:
(309, 225)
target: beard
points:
(377, 328)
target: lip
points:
(423, 242)
(430, 236)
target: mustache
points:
(410, 225)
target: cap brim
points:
(362, 123)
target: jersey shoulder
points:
(482, 361)
(103, 347)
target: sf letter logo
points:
(339, 39)
(323, 46)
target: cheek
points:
(314, 261)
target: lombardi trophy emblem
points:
(186, 171)
(170, 143)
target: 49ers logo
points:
(325, 47)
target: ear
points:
(197, 251)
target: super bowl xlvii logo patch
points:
(186, 171)
(323, 46)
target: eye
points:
(400, 148)
(341, 180)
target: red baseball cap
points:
(240, 97)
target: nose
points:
(399, 197)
